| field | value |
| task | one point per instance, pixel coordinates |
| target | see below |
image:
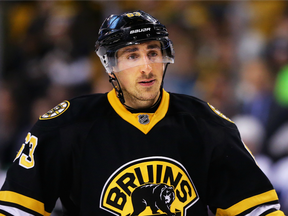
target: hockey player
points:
(137, 150)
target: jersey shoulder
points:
(197, 108)
(76, 109)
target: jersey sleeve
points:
(237, 186)
(37, 176)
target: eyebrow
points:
(134, 49)
(153, 46)
(129, 50)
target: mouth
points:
(147, 82)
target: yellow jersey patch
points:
(219, 113)
(56, 111)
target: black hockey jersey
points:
(103, 160)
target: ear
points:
(113, 78)
(111, 75)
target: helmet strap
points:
(115, 83)
(164, 72)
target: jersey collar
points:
(143, 121)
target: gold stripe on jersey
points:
(276, 213)
(2, 214)
(248, 203)
(27, 202)
(132, 118)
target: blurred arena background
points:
(232, 54)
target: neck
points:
(148, 109)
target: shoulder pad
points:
(73, 110)
(198, 108)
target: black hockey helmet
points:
(118, 31)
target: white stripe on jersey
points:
(14, 211)
(261, 209)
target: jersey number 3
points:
(27, 161)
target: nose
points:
(146, 66)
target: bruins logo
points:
(156, 196)
(219, 113)
(149, 186)
(56, 111)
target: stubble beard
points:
(143, 94)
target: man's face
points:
(140, 73)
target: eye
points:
(153, 54)
(132, 56)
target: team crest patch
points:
(143, 119)
(219, 113)
(56, 111)
(149, 186)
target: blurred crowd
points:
(232, 54)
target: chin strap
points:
(164, 72)
(115, 83)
